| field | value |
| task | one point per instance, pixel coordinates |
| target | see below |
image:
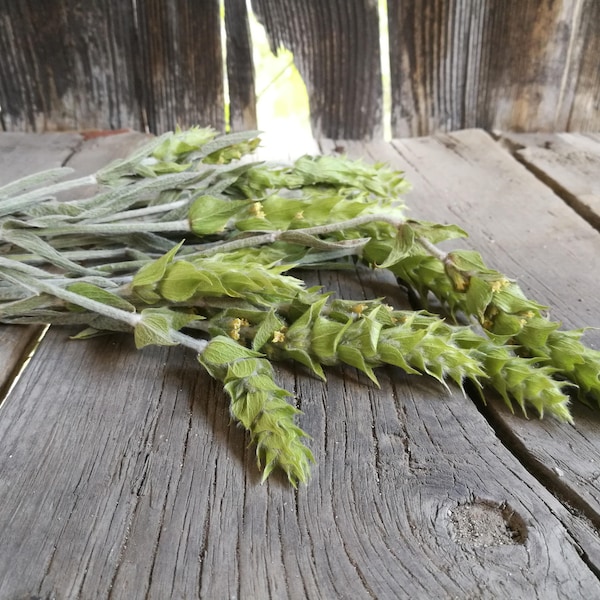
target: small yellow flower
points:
(500, 284)
(460, 284)
(257, 210)
(236, 325)
(278, 337)
(299, 215)
(359, 309)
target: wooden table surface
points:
(121, 477)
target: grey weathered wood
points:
(181, 75)
(133, 483)
(516, 65)
(522, 65)
(523, 229)
(240, 67)
(122, 477)
(567, 162)
(22, 154)
(109, 65)
(68, 65)
(336, 49)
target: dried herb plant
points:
(189, 242)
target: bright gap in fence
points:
(282, 104)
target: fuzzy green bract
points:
(260, 406)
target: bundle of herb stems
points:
(189, 242)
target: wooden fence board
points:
(521, 65)
(67, 64)
(240, 67)
(336, 49)
(110, 65)
(517, 65)
(181, 74)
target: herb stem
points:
(143, 212)
(76, 255)
(17, 275)
(18, 203)
(273, 236)
(116, 228)
(433, 249)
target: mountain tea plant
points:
(189, 242)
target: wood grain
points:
(520, 65)
(240, 67)
(67, 64)
(181, 74)
(567, 162)
(335, 44)
(121, 475)
(517, 65)
(523, 229)
(136, 486)
(103, 64)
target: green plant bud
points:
(261, 407)
(209, 215)
(156, 325)
(576, 361)
(521, 379)
(232, 152)
(178, 145)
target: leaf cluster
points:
(187, 241)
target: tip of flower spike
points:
(294, 461)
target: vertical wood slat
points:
(106, 64)
(181, 82)
(240, 67)
(66, 64)
(515, 65)
(335, 44)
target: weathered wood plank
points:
(68, 65)
(110, 65)
(136, 486)
(240, 67)
(22, 154)
(335, 44)
(121, 476)
(181, 74)
(567, 162)
(517, 65)
(523, 229)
